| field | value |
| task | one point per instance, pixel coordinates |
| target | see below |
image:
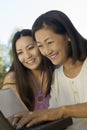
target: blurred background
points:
(19, 14)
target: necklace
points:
(40, 94)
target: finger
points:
(34, 122)
(24, 120)
(19, 115)
(15, 120)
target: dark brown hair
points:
(22, 73)
(61, 24)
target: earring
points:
(69, 39)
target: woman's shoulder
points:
(57, 72)
(9, 78)
(58, 69)
(9, 81)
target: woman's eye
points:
(50, 42)
(39, 46)
(18, 53)
(31, 47)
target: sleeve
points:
(53, 103)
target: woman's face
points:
(52, 45)
(28, 53)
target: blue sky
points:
(22, 13)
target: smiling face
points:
(28, 53)
(52, 45)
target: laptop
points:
(10, 103)
(60, 124)
(4, 123)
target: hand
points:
(32, 118)
(14, 119)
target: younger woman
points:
(31, 71)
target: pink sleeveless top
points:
(41, 104)
(41, 100)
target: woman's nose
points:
(47, 51)
(27, 55)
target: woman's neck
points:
(71, 69)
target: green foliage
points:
(6, 57)
(2, 73)
(4, 61)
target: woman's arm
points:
(77, 111)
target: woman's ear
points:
(68, 38)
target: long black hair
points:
(22, 73)
(61, 24)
